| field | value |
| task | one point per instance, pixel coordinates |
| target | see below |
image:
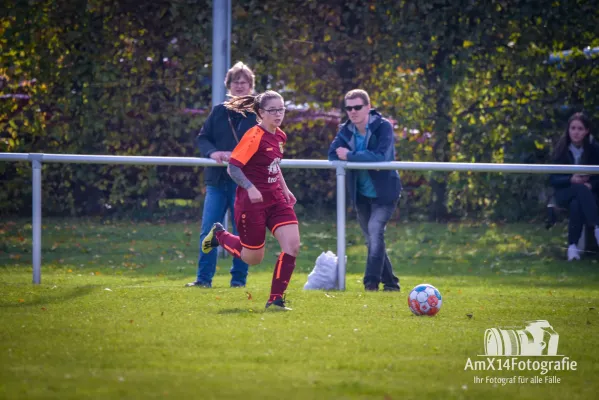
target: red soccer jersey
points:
(258, 154)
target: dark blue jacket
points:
(217, 135)
(380, 146)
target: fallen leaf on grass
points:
(21, 301)
(43, 308)
(469, 315)
(249, 295)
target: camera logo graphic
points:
(538, 338)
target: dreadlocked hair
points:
(250, 103)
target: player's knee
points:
(253, 257)
(292, 247)
(255, 260)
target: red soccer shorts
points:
(252, 219)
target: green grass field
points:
(112, 319)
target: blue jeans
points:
(373, 220)
(218, 200)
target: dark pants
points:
(582, 206)
(373, 220)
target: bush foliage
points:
(128, 78)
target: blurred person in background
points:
(221, 132)
(577, 192)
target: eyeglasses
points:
(357, 108)
(275, 111)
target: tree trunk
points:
(439, 79)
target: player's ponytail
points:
(249, 103)
(243, 104)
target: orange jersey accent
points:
(247, 146)
(279, 265)
(258, 154)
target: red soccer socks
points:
(281, 276)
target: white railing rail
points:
(37, 159)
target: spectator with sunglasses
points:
(368, 137)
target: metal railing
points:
(37, 159)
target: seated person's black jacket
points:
(590, 156)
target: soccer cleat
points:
(573, 253)
(210, 242)
(198, 284)
(277, 305)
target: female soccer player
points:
(263, 199)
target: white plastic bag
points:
(324, 274)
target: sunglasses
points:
(357, 108)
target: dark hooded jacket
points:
(217, 135)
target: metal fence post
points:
(340, 168)
(221, 48)
(36, 225)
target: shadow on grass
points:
(45, 299)
(238, 311)
(509, 253)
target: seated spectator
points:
(576, 192)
